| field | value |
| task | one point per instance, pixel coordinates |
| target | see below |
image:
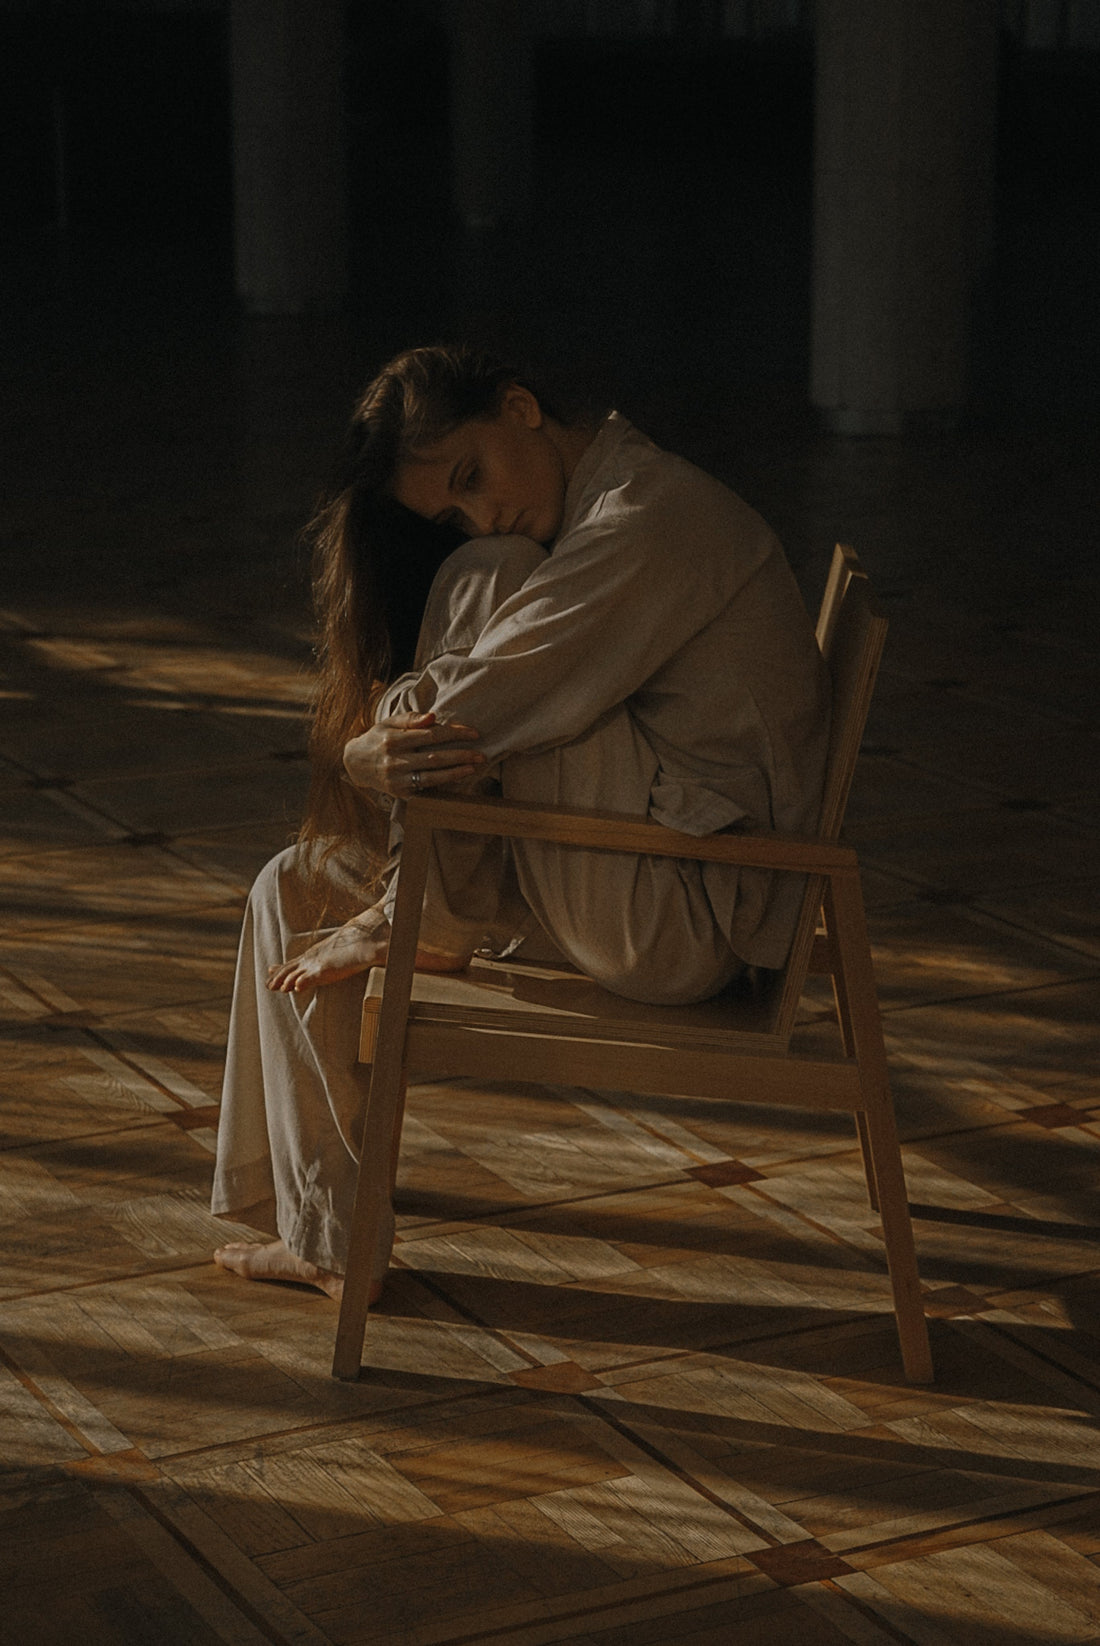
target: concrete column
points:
(903, 207)
(289, 170)
(492, 111)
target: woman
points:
(602, 625)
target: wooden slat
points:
(844, 564)
(852, 635)
(618, 832)
(538, 1000)
(490, 1054)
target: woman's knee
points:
(272, 877)
(504, 562)
(285, 894)
(472, 584)
(312, 886)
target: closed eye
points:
(457, 521)
(461, 481)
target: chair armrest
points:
(622, 832)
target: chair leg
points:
(385, 1109)
(862, 1029)
(897, 1231)
(844, 1018)
(381, 1133)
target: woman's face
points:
(491, 477)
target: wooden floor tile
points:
(40, 821)
(251, 793)
(105, 882)
(79, 1566)
(150, 964)
(980, 1594)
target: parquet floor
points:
(633, 1379)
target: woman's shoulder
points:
(633, 482)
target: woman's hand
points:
(408, 753)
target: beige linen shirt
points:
(664, 591)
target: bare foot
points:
(273, 1261)
(346, 951)
(350, 949)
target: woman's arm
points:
(589, 627)
(621, 594)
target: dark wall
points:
(672, 188)
(139, 104)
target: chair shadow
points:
(1001, 1222)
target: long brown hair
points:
(373, 563)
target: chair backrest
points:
(843, 566)
(855, 634)
(851, 632)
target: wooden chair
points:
(501, 1020)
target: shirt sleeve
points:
(613, 602)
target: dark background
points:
(672, 197)
(667, 266)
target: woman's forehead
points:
(439, 457)
(447, 447)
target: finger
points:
(435, 759)
(404, 725)
(451, 730)
(415, 737)
(421, 782)
(427, 737)
(439, 777)
(399, 748)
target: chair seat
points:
(469, 1022)
(545, 999)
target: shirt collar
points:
(608, 436)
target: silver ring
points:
(414, 782)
